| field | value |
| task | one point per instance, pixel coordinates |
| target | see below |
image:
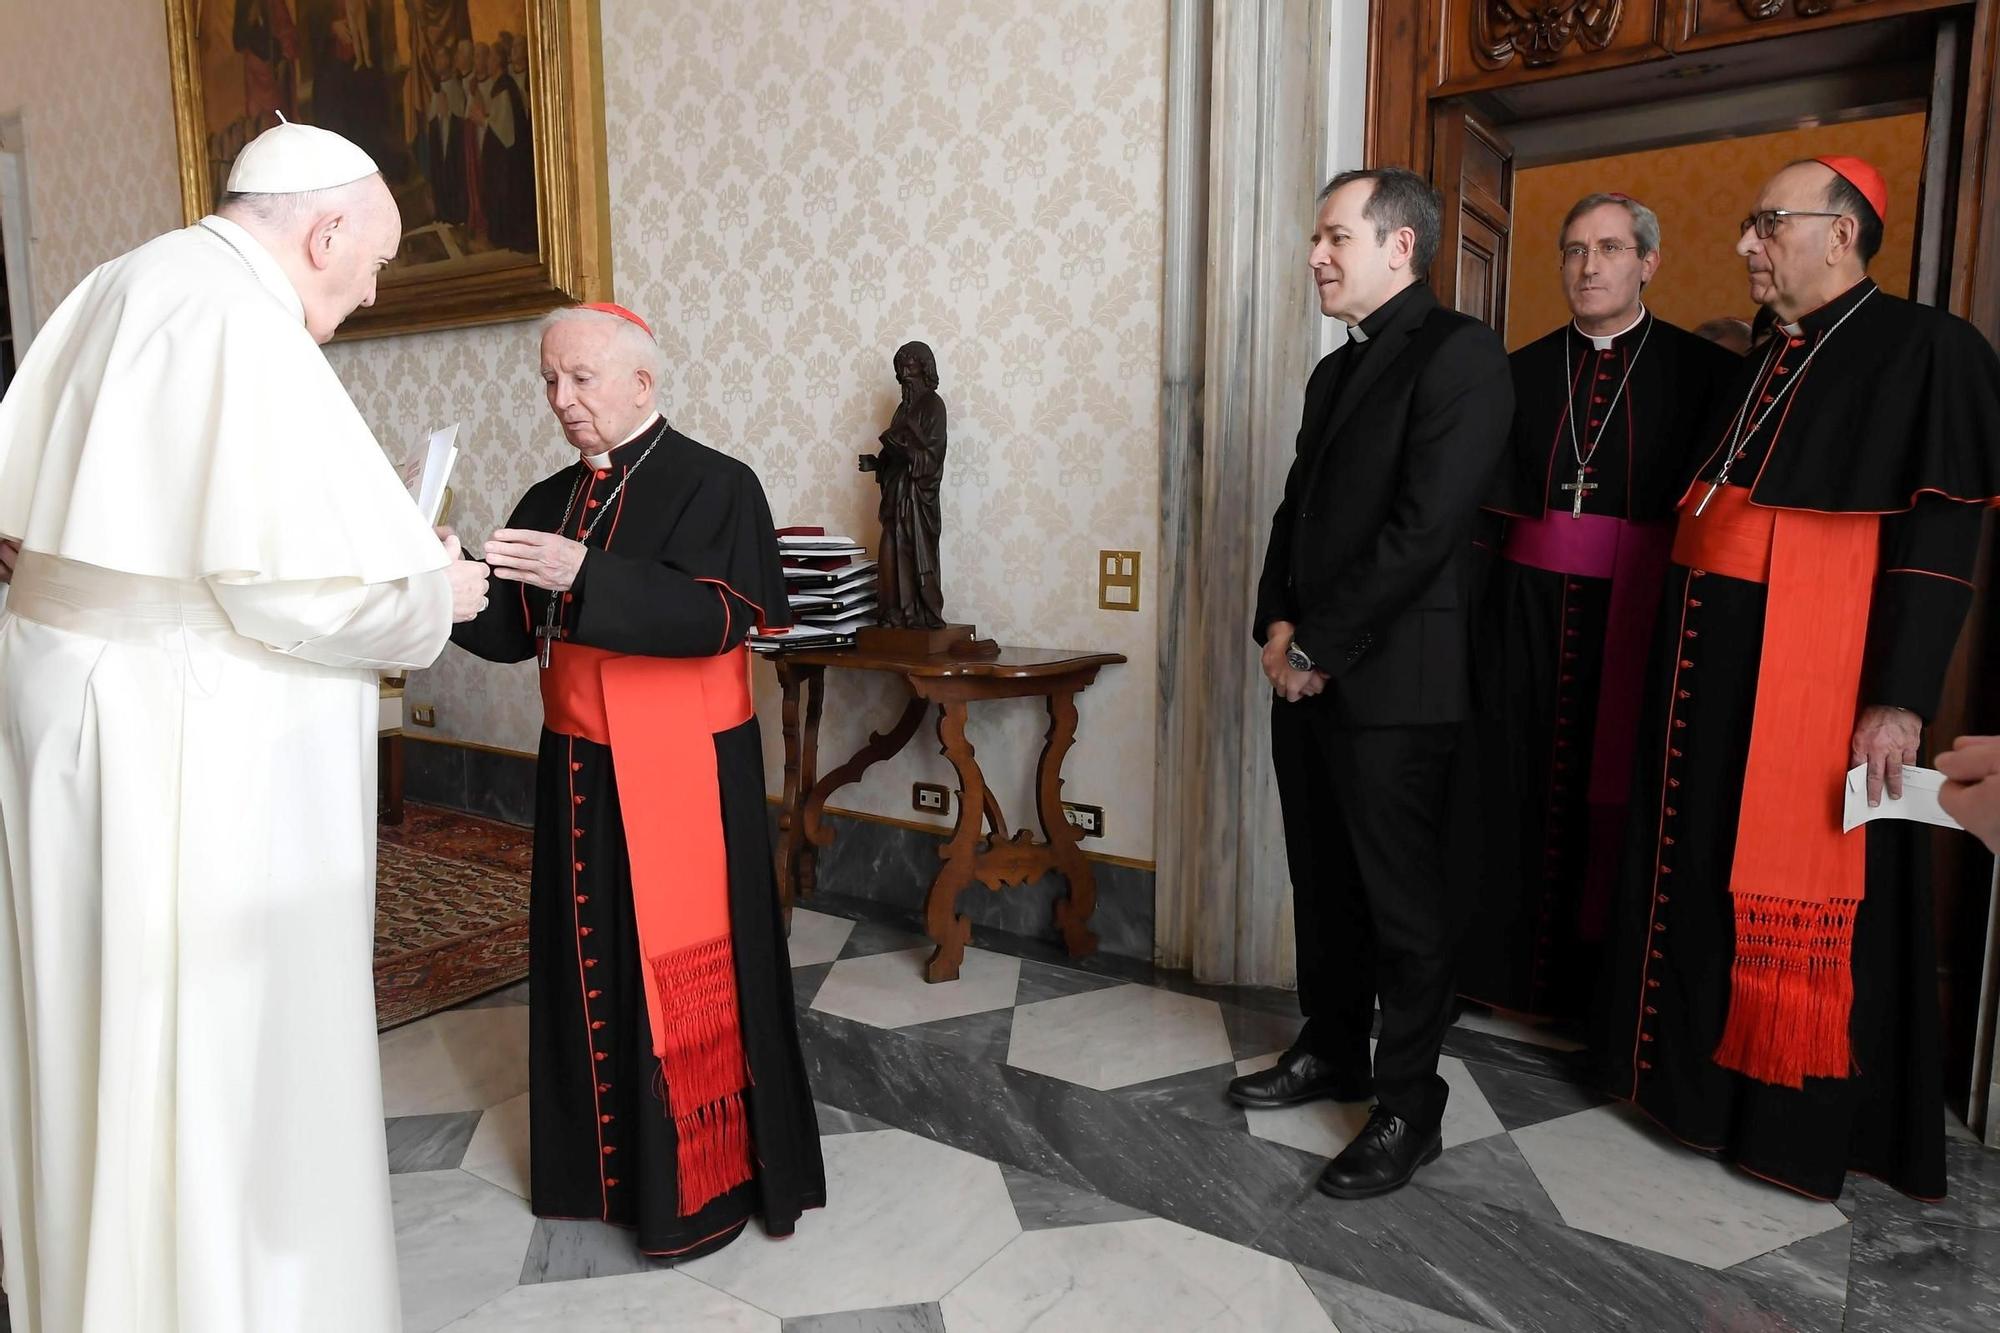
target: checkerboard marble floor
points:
(1044, 1145)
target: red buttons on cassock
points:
(590, 962)
(583, 931)
(592, 504)
(604, 1120)
(579, 865)
(583, 897)
(596, 1024)
(602, 473)
(576, 768)
(593, 994)
(597, 1055)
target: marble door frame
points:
(1247, 118)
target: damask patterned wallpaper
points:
(89, 79)
(1701, 193)
(799, 186)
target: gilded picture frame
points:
(487, 117)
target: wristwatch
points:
(1296, 659)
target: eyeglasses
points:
(1613, 250)
(1766, 220)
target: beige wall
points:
(796, 189)
(88, 79)
(1701, 193)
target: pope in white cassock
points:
(210, 560)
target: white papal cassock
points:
(216, 559)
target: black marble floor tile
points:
(1520, 1056)
(1972, 1191)
(873, 937)
(806, 982)
(974, 1036)
(833, 1120)
(430, 1142)
(1043, 1204)
(1905, 1275)
(1045, 981)
(1508, 1271)
(1491, 1171)
(1255, 1032)
(1813, 1270)
(566, 1251)
(1528, 1099)
(1173, 1166)
(1198, 1093)
(926, 1318)
(1357, 1309)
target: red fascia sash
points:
(659, 716)
(1797, 879)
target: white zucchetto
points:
(292, 159)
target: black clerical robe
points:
(682, 565)
(1622, 416)
(1894, 423)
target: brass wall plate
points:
(1118, 580)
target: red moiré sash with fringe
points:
(660, 717)
(1796, 879)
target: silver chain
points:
(1740, 434)
(1569, 387)
(576, 489)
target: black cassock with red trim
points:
(1876, 407)
(683, 562)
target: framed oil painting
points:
(486, 117)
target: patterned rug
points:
(451, 911)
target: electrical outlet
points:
(1087, 820)
(930, 799)
(423, 715)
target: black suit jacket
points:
(1370, 555)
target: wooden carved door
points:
(1473, 168)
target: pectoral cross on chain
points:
(548, 634)
(1578, 488)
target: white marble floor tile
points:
(888, 990)
(1125, 1034)
(905, 1222)
(1150, 1274)
(1324, 1128)
(460, 1060)
(1501, 1023)
(1610, 1172)
(498, 1152)
(657, 1302)
(459, 1244)
(816, 937)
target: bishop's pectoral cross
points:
(1577, 489)
(548, 634)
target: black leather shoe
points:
(1382, 1158)
(1299, 1076)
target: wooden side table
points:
(998, 858)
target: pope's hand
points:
(9, 551)
(544, 559)
(468, 583)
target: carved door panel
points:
(1495, 43)
(1473, 167)
(1708, 23)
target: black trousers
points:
(1366, 836)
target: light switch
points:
(1118, 580)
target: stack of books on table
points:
(831, 587)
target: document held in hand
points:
(1919, 802)
(439, 456)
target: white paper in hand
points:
(1919, 802)
(439, 456)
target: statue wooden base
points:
(957, 640)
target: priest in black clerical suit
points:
(1364, 616)
(1772, 992)
(666, 1088)
(1607, 410)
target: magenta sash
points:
(1634, 556)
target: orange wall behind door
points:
(1701, 193)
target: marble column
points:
(1223, 902)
